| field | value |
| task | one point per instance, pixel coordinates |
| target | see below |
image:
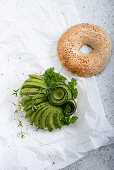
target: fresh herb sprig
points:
(53, 79)
(21, 133)
(15, 92)
(16, 111)
(71, 86)
(68, 120)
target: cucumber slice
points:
(27, 91)
(68, 91)
(69, 108)
(57, 96)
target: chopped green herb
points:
(16, 111)
(67, 120)
(52, 78)
(21, 134)
(73, 119)
(71, 86)
(15, 92)
(20, 124)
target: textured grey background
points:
(100, 12)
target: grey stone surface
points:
(101, 159)
(100, 12)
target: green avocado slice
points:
(36, 77)
(57, 117)
(37, 118)
(49, 120)
(27, 91)
(33, 84)
(32, 118)
(44, 116)
(36, 80)
(26, 99)
(33, 115)
(32, 104)
(30, 111)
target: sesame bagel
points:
(74, 38)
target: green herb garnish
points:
(16, 111)
(67, 120)
(21, 133)
(15, 92)
(71, 86)
(54, 79)
(20, 124)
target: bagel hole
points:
(85, 49)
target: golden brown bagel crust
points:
(74, 38)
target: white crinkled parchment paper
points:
(29, 31)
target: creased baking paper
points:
(29, 31)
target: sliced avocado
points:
(49, 120)
(57, 117)
(32, 118)
(27, 91)
(36, 76)
(37, 118)
(44, 116)
(30, 111)
(33, 84)
(36, 80)
(26, 99)
(33, 103)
